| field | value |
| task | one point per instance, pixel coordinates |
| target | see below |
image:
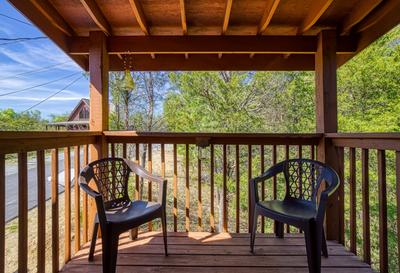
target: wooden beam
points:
(48, 11)
(326, 118)
(358, 13)
(139, 15)
(183, 16)
(316, 11)
(46, 25)
(97, 15)
(212, 44)
(268, 13)
(211, 62)
(228, 9)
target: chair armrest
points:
(141, 172)
(271, 172)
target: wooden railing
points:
(208, 163)
(36, 147)
(367, 162)
(208, 186)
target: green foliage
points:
(59, 118)
(25, 121)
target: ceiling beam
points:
(51, 14)
(267, 17)
(211, 45)
(317, 9)
(227, 15)
(183, 16)
(140, 18)
(59, 37)
(97, 15)
(358, 14)
(211, 62)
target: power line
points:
(15, 19)
(35, 70)
(39, 85)
(20, 40)
(54, 94)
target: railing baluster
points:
(199, 201)
(398, 204)
(112, 150)
(224, 190)
(137, 147)
(287, 156)
(262, 163)
(353, 204)
(22, 213)
(2, 211)
(124, 150)
(365, 206)
(274, 182)
(54, 211)
(150, 169)
(175, 188)
(85, 200)
(300, 155)
(67, 204)
(249, 172)
(187, 191)
(340, 153)
(383, 243)
(212, 216)
(163, 160)
(41, 209)
(77, 203)
(312, 151)
(237, 190)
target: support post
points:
(326, 118)
(98, 71)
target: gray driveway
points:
(12, 184)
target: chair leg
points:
(324, 245)
(93, 242)
(110, 252)
(164, 229)
(253, 220)
(279, 229)
(313, 245)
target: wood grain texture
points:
(41, 208)
(97, 15)
(55, 246)
(77, 200)
(67, 204)
(139, 15)
(22, 213)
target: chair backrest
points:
(111, 176)
(304, 177)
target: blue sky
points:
(17, 58)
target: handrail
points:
(381, 141)
(211, 138)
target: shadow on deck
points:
(219, 252)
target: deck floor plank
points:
(225, 253)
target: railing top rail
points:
(380, 141)
(363, 135)
(211, 138)
(45, 134)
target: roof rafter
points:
(141, 19)
(183, 16)
(316, 11)
(97, 15)
(268, 13)
(53, 16)
(227, 15)
(358, 14)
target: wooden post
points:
(98, 71)
(326, 111)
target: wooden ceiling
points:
(211, 34)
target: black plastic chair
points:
(300, 207)
(116, 213)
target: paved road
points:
(12, 184)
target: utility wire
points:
(54, 94)
(39, 85)
(35, 70)
(9, 41)
(15, 19)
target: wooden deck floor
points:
(206, 252)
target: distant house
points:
(77, 120)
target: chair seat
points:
(296, 209)
(136, 212)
